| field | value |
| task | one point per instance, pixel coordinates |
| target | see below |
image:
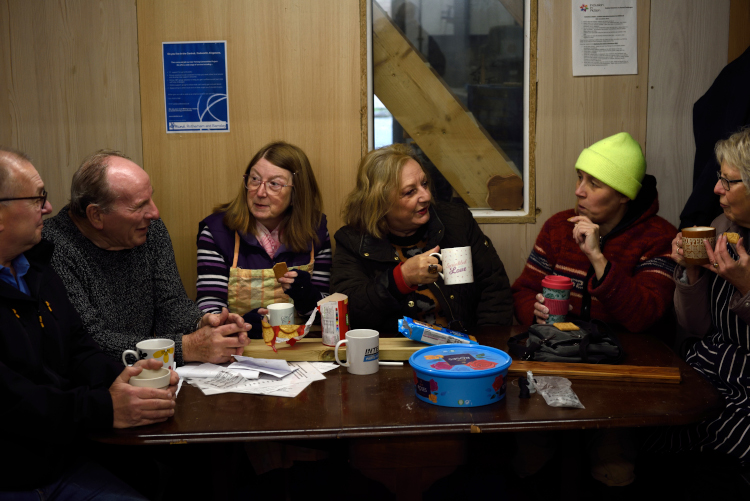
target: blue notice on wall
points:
(195, 86)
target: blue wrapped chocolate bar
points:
(431, 334)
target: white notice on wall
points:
(605, 38)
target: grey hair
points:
(9, 158)
(90, 185)
(735, 150)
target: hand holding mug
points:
(416, 270)
(541, 312)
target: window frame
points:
(529, 211)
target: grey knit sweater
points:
(123, 296)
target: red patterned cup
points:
(556, 292)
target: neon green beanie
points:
(616, 161)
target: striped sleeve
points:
(321, 276)
(213, 273)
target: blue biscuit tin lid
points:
(460, 361)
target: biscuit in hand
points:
(732, 238)
(279, 269)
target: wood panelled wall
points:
(293, 68)
(682, 32)
(70, 84)
(572, 113)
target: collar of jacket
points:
(379, 249)
(645, 205)
(38, 256)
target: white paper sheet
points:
(304, 373)
(605, 38)
(324, 367)
(191, 371)
(278, 368)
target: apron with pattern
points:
(251, 289)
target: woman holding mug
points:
(383, 260)
(276, 217)
(713, 307)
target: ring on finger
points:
(431, 269)
(716, 265)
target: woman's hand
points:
(416, 270)
(586, 235)
(287, 280)
(541, 312)
(737, 272)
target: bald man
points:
(116, 259)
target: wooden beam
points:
(598, 372)
(515, 9)
(445, 131)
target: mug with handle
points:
(362, 351)
(457, 265)
(160, 349)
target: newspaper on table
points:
(299, 375)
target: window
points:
(453, 79)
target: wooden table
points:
(384, 405)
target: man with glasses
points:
(56, 384)
(115, 257)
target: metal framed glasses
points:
(726, 183)
(41, 198)
(252, 183)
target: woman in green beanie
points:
(616, 250)
(612, 245)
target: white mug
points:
(160, 349)
(362, 351)
(457, 266)
(280, 314)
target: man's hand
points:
(134, 406)
(223, 318)
(221, 336)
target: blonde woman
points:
(383, 260)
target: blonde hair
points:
(378, 181)
(301, 220)
(735, 150)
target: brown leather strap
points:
(236, 248)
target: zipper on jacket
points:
(450, 310)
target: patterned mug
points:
(160, 349)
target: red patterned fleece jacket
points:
(638, 288)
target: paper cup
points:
(556, 292)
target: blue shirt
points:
(21, 265)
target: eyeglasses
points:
(42, 198)
(726, 183)
(254, 182)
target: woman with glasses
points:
(276, 217)
(713, 307)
